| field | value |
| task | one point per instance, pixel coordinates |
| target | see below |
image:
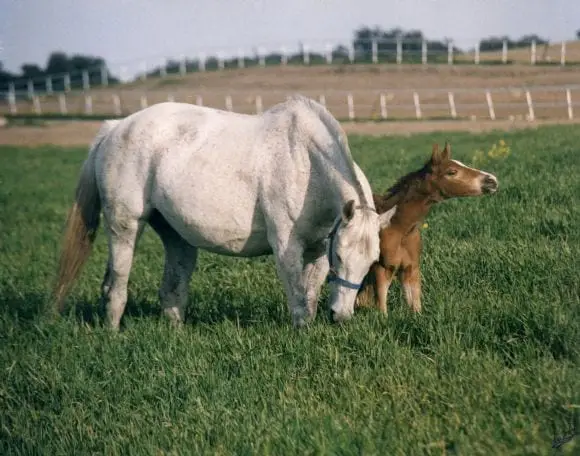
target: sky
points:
(127, 33)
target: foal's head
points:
(448, 178)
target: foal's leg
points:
(123, 236)
(383, 280)
(410, 278)
(180, 262)
(366, 296)
(409, 274)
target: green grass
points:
(490, 367)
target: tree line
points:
(60, 63)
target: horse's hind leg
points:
(180, 261)
(123, 238)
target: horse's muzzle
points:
(489, 184)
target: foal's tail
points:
(81, 225)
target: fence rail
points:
(552, 102)
(376, 51)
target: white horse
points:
(283, 182)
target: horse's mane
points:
(397, 192)
(338, 132)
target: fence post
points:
(306, 54)
(12, 101)
(259, 106)
(144, 101)
(170, 98)
(262, 57)
(476, 55)
(322, 100)
(417, 105)
(12, 90)
(452, 104)
(123, 74)
(144, 73)
(199, 100)
(66, 82)
(490, 104)
(328, 54)
(563, 54)
(569, 103)
(375, 51)
(104, 76)
(504, 51)
(450, 53)
(351, 53)
(220, 60)
(229, 104)
(86, 85)
(182, 66)
(201, 63)
(533, 53)
(30, 89)
(399, 50)
(62, 103)
(424, 52)
(241, 61)
(350, 103)
(383, 103)
(531, 115)
(283, 56)
(163, 69)
(116, 104)
(36, 105)
(49, 85)
(88, 104)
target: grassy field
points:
(492, 366)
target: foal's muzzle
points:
(489, 184)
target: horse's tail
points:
(82, 223)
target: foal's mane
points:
(398, 192)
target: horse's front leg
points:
(410, 278)
(302, 272)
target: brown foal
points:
(409, 202)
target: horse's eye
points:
(451, 172)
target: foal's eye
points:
(451, 172)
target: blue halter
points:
(332, 276)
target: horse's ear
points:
(385, 217)
(348, 211)
(446, 154)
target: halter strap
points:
(332, 275)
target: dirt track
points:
(82, 133)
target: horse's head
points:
(354, 247)
(451, 178)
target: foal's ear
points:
(446, 154)
(348, 211)
(436, 155)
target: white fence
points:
(499, 103)
(383, 51)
